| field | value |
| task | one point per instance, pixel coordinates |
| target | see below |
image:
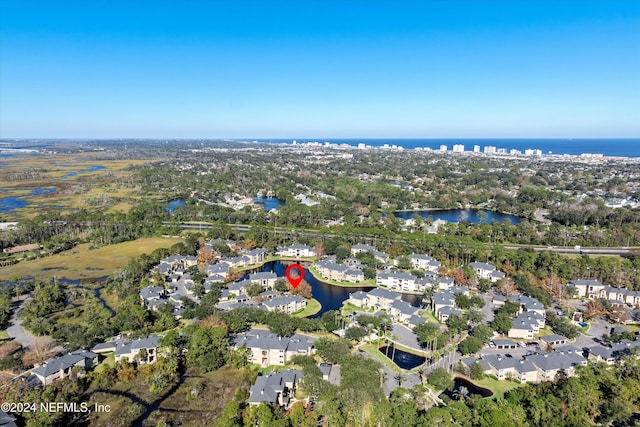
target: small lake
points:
(269, 202)
(401, 358)
(172, 205)
(473, 389)
(459, 215)
(329, 296)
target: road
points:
(15, 329)
(618, 250)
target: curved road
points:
(15, 329)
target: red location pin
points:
(295, 281)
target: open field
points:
(84, 263)
(67, 181)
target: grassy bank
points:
(367, 283)
(313, 306)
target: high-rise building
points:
(443, 147)
(458, 148)
(476, 148)
(489, 149)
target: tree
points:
(507, 286)
(281, 285)
(332, 350)
(456, 323)
(205, 255)
(355, 333)
(404, 263)
(207, 348)
(303, 289)
(461, 393)
(440, 379)
(470, 345)
(502, 323)
(594, 309)
(477, 371)
(329, 320)
(427, 332)
(483, 332)
(254, 290)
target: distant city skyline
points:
(310, 69)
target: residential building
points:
(268, 349)
(142, 350)
(486, 271)
(61, 367)
(297, 251)
(288, 304)
(266, 279)
(276, 388)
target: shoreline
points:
(319, 278)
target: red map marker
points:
(295, 281)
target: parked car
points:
(522, 344)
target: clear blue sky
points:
(319, 69)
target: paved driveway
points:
(15, 329)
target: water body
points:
(95, 168)
(329, 296)
(9, 204)
(269, 202)
(40, 191)
(401, 358)
(69, 175)
(473, 389)
(172, 205)
(609, 147)
(459, 215)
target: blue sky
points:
(319, 69)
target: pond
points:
(329, 296)
(458, 215)
(269, 202)
(172, 205)
(9, 204)
(471, 387)
(401, 358)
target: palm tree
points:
(461, 393)
(400, 378)
(422, 372)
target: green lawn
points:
(427, 314)
(313, 306)
(545, 331)
(499, 387)
(373, 351)
(4, 335)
